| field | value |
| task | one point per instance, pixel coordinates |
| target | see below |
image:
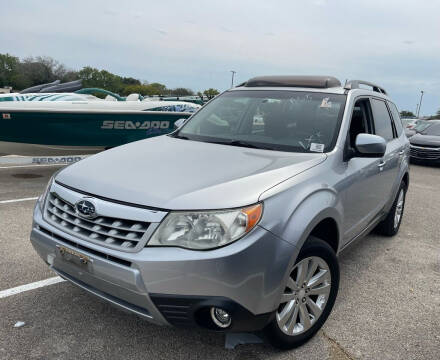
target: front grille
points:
(425, 153)
(84, 248)
(427, 146)
(108, 231)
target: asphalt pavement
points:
(388, 305)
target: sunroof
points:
(294, 81)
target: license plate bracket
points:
(74, 256)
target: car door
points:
(360, 198)
(403, 143)
(389, 164)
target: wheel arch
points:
(405, 179)
(319, 215)
(327, 230)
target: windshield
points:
(408, 122)
(433, 129)
(269, 119)
(421, 125)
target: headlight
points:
(201, 230)
(43, 196)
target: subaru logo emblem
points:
(86, 209)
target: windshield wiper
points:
(177, 136)
(242, 143)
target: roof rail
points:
(322, 82)
(354, 84)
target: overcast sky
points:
(196, 43)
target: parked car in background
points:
(234, 221)
(409, 123)
(420, 125)
(425, 144)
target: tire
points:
(391, 225)
(285, 332)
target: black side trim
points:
(189, 311)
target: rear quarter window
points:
(382, 120)
(396, 118)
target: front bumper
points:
(173, 285)
(425, 154)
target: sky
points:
(195, 44)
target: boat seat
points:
(132, 97)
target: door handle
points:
(382, 163)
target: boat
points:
(41, 123)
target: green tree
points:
(104, 79)
(135, 89)
(9, 71)
(40, 70)
(157, 89)
(43, 69)
(130, 81)
(210, 93)
(405, 113)
(181, 92)
(436, 116)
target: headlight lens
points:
(43, 196)
(201, 230)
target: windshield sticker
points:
(317, 147)
(326, 103)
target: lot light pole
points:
(420, 103)
(232, 81)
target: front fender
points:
(301, 215)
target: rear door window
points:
(396, 118)
(382, 119)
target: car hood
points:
(420, 139)
(170, 173)
(409, 133)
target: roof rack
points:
(354, 84)
(321, 82)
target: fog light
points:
(220, 317)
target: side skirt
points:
(366, 231)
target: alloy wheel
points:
(399, 208)
(305, 296)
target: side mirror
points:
(368, 145)
(179, 123)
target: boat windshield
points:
(295, 121)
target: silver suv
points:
(234, 221)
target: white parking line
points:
(31, 286)
(17, 200)
(26, 166)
